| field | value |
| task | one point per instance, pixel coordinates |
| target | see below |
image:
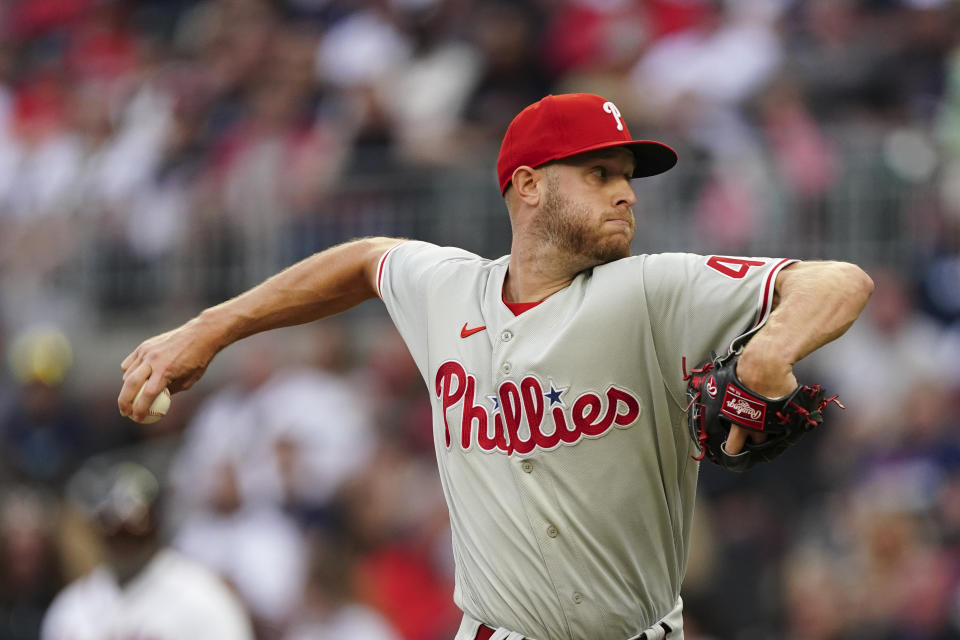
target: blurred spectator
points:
(667, 17)
(144, 588)
(837, 63)
(30, 573)
(697, 79)
(424, 95)
(401, 410)
(330, 608)
(396, 514)
(103, 46)
(948, 131)
(7, 384)
(42, 160)
(227, 432)
(292, 435)
(30, 18)
(939, 284)
(262, 457)
(807, 162)
(892, 332)
(513, 75)
(591, 41)
(275, 161)
(43, 434)
(904, 583)
(228, 495)
(319, 425)
(257, 549)
(816, 598)
(356, 56)
(729, 209)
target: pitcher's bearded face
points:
(598, 232)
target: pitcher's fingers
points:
(130, 360)
(131, 369)
(735, 440)
(151, 388)
(131, 386)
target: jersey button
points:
(577, 598)
(506, 336)
(506, 368)
(527, 466)
(552, 531)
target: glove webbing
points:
(701, 428)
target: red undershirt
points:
(519, 307)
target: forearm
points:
(319, 286)
(817, 303)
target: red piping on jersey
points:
(771, 278)
(383, 261)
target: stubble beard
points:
(566, 224)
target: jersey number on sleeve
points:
(735, 268)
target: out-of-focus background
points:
(159, 156)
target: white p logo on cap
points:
(611, 108)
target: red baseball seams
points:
(521, 401)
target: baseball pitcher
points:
(569, 410)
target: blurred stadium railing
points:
(869, 214)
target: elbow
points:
(858, 283)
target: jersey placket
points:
(577, 614)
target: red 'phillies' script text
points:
(588, 416)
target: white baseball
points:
(159, 407)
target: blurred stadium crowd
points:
(157, 156)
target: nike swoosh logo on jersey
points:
(466, 333)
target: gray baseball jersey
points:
(560, 434)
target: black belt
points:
(485, 632)
(663, 625)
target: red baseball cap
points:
(572, 123)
